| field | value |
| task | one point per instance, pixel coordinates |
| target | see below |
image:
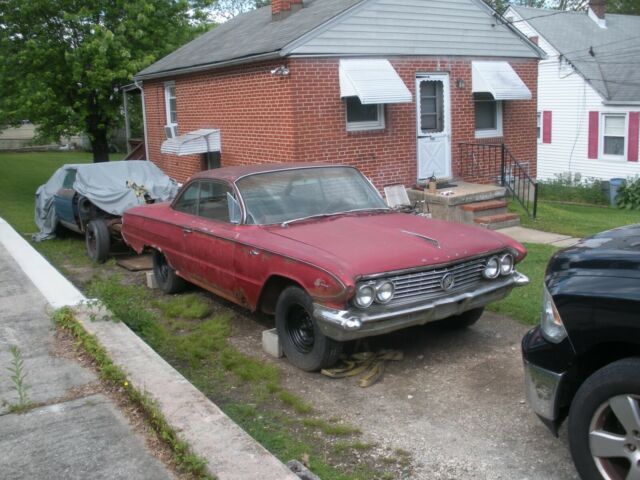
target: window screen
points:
(431, 106)
(486, 112)
(614, 134)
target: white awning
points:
(373, 81)
(193, 143)
(500, 80)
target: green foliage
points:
(184, 306)
(629, 195)
(570, 187)
(18, 377)
(330, 428)
(65, 61)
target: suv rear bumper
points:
(351, 324)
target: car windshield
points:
(289, 195)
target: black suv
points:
(583, 361)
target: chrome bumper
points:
(543, 390)
(344, 325)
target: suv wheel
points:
(604, 423)
(304, 345)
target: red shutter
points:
(547, 126)
(634, 125)
(593, 134)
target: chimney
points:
(283, 8)
(597, 10)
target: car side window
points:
(69, 179)
(214, 200)
(188, 201)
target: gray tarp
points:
(105, 185)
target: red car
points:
(317, 246)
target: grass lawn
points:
(576, 220)
(20, 176)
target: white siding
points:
(418, 27)
(564, 92)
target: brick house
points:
(394, 87)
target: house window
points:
(539, 127)
(613, 135)
(363, 117)
(488, 115)
(170, 104)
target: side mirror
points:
(235, 214)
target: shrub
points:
(629, 194)
(571, 187)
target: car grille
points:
(427, 284)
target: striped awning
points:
(500, 80)
(373, 81)
(193, 143)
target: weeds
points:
(18, 376)
(184, 306)
(109, 372)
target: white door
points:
(434, 126)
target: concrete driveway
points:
(456, 402)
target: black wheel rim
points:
(300, 329)
(163, 268)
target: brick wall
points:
(302, 118)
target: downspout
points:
(144, 119)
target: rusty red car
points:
(317, 246)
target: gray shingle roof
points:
(248, 35)
(470, 30)
(614, 71)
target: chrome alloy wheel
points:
(614, 438)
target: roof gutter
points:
(621, 103)
(209, 66)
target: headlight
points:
(506, 264)
(492, 270)
(384, 292)
(365, 294)
(550, 322)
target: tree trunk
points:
(99, 145)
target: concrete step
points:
(495, 222)
(483, 206)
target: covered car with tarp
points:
(91, 198)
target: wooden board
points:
(137, 263)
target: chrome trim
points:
(543, 390)
(354, 323)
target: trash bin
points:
(614, 187)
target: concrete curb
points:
(230, 452)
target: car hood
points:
(378, 243)
(614, 252)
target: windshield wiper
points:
(324, 215)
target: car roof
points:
(231, 174)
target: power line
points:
(557, 12)
(602, 45)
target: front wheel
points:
(304, 345)
(464, 320)
(98, 240)
(604, 423)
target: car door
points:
(210, 241)
(63, 202)
(171, 236)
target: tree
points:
(227, 9)
(64, 61)
(627, 7)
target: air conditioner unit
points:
(171, 131)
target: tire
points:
(464, 320)
(304, 345)
(166, 277)
(617, 384)
(98, 240)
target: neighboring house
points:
(393, 87)
(588, 90)
(23, 137)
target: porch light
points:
(460, 83)
(281, 71)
